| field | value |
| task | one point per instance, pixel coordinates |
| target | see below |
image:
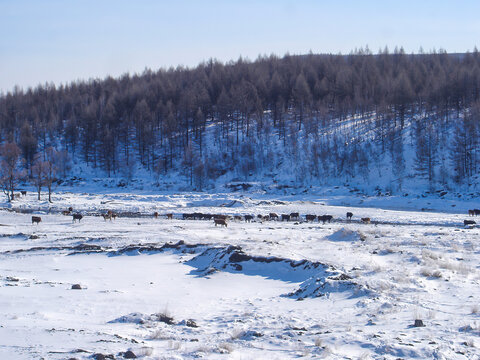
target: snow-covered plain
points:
(187, 289)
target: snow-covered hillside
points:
(266, 289)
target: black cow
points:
(310, 217)
(325, 218)
(77, 217)
(285, 217)
(468, 222)
(36, 219)
(248, 218)
(349, 215)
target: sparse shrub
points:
(236, 334)
(475, 309)
(144, 351)
(470, 343)
(158, 335)
(318, 342)
(428, 272)
(225, 348)
(174, 345)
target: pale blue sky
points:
(65, 40)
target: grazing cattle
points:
(66, 212)
(36, 219)
(169, 216)
(476, 212)
(188, 216)
(295, 216)
(207, 216)
(349, 215)
(23, 192)
(273, 216)
(310, 217)
(471, 212)
(238, 218)
(221, 222)
(155, 215)
(107, 216)
(198, 216)
(77, 217)
(285, 217)
(366, 220)
(248, 218)
(70, 209)
(220, 217)
(468, 222)
(325, 218)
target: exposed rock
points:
(191, 323)
(418, 323)
(99, 356)
(129, 355)
(76, 287)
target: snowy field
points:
(180, 289)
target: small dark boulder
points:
(76, 287)
(129, 355)
(99, 356)
(418, 323)
(191, 323)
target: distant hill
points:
(389, 119)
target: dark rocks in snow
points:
(250, 334)
(76, 287)
(190, 323)
(162, 317)
(99, 356)
(129, 354)
(418, 323)
(33, 237)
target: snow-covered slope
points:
(187, 289)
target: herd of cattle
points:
(222, 220)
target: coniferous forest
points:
(317, 117)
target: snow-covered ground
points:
(187, 289)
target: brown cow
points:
(65, 212)
(107, 216)
(36, 219)
(471, 212)
(221, 222)
(70, 209)
(238, 218)
(77, 217)
(220, 217)
(155, 215)
(273, 216)
(169, 216)
(295, 216)
(366, 220)
(310, 217)
(285, 217)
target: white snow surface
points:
(181, 289)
